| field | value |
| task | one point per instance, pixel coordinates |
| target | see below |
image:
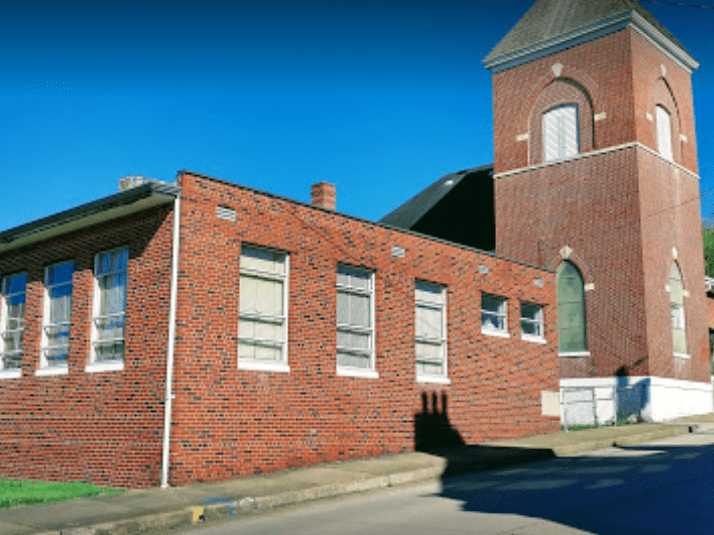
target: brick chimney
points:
(324, 195)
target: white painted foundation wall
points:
(591, 401)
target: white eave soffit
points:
(589, 33)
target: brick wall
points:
(591, 205)
(602, 68)
(671, 220)
(230, 422)
(100, 427)
(710, 312)
(622, 212)
(659, 80)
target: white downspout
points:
(168, 402)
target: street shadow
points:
(435, 434)
(634, 490)
(652, 490)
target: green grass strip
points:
(15, 492)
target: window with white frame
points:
(532, 325)
(664, 133)
(494, 314)
(430, 300)
(263, 325)
(12, 318)
(110, 292)
(560, 133)
(676, 300)
(355, 318)
(57, 315)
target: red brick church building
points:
(201, 330)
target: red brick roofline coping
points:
(362, 220)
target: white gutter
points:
(168, 402)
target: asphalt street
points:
(666, 487)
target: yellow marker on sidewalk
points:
(198, 514)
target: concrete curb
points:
(639, 438)
(203, 514)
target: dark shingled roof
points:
(409, 213)
(548, 20)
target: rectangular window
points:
(355, 321)
(494, 315)
(664, 133)
(430, 326)
(57, 315)
(560, 133)
(532, 327)
(263, 323)
(108, 325)
(12, 318)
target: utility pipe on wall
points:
(168, 402)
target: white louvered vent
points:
(560, 133)
(664, 133)
(226, 213)
(398, 252)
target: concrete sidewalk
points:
(149, 511)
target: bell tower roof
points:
(550, 26)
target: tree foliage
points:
(709, 251)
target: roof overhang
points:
(122, 204)
(589, 33)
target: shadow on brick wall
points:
(432, 427)
(435, 434)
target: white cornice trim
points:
(673, 164)
(588, 33)
(585, 155)
(664, 43)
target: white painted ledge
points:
(497, 334)
(11, 374)
(682, 355)
(356, 372)
(433, 379)
(99, 367)
(568, 354)
(584, 155)
(261, 366)
(50, 372)
(534, 339)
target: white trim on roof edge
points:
(588, 33)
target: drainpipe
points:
(168, 402)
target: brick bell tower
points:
(596, 177)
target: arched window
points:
(571, 310)
(676, 303)
(560, 133)
(664, 133)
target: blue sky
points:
(378, 97)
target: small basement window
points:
(532, 325)
(494, 315)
